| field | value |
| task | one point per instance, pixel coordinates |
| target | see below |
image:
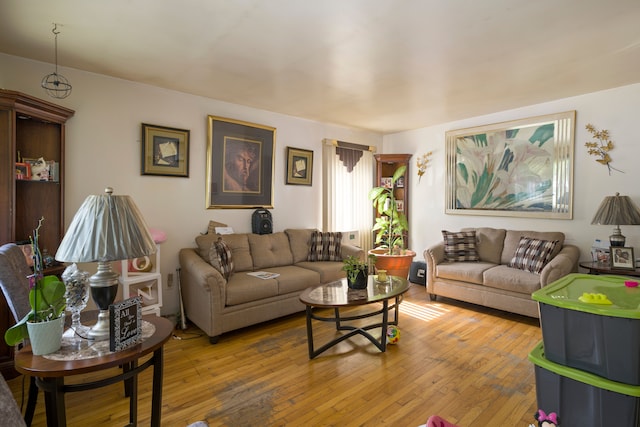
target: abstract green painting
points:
(519, 168)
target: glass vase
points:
(77, 296)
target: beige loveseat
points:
(490, 281)
(218, 305)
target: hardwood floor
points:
(465, 363)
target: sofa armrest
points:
(350, 250)
(433, 256)
(203, 291)
(562, 264)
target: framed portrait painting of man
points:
(240, 157)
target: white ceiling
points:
(384, 65)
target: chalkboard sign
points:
(125, 323)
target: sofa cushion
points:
(270, 250)
(463, 271)
(224, 258)
(206, 247)
(460, 246)
(329, 271)
(299, 240)
(511, 279)
(293, 278)
(532, 254)
(242, 288)
(489, 242)
(325, 246)
(512, 240)
(216, 252)
(239, 244)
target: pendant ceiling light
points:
(56, 85)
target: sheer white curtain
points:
(346, 185)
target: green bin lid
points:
(566, 293)
(537, 357)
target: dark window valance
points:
(348, 157)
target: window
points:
(348, 171)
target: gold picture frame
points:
(240, 159)
(165, 151)
(299, 166)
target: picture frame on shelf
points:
(299, 166)
(622, 258)
(400, 182)
(165, 151)
(240, 159)
(600, 255)
(27, 250)
(386, 182)
(520, 168)
(23, 171)
(400, 205)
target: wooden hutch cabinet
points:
(386, 165)
(30, 128)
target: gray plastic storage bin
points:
(583, 399)
(603, 339)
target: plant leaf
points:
(398, 173)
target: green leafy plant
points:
(391, 225)
(353, 266)
(46, 296)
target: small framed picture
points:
(23, 171)
(400, 182)
(400, 205)
(600, 255)
(622, 258)
(125, 323)
(165, 151)
(299, 166)
(27, 250)
(386, 182)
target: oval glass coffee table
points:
(337, 295)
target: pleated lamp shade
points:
(617, 210)
(106, 228)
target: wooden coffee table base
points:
(381, 344)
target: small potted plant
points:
(44, 324)
(357, 272)
(391, 226)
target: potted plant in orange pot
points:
(391, 226)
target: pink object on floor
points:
(436, 421)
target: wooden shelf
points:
(148, 285)
(386, 165)
(29, 128)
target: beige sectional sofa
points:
(217, 304)
(490, 281)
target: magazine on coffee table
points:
(263, 274)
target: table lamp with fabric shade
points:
(617, 210)
(106, 228)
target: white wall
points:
(615, 110)
(103, 148)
